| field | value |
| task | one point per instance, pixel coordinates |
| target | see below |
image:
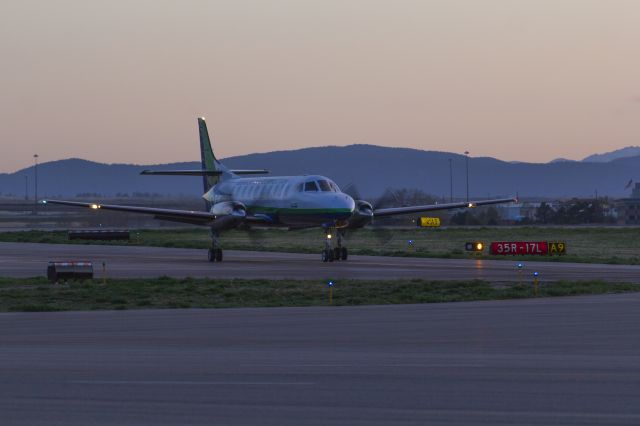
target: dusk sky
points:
(124, 81)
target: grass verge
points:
(36, 294)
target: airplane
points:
(292, 202)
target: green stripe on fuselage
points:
(294, 210)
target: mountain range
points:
(372, 169)
(630, 151)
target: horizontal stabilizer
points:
(182, 172)
(200, 172)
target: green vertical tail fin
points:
(209, 161)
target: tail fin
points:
(209, 162)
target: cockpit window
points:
(334, 186)
(310, 186)
(324, 186)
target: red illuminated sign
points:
(520, 247)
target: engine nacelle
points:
(362, 215)
(229, 214)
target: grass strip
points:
(36, 294)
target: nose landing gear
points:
(331, 253)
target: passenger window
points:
(324, 186)
(310, 186)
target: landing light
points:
(471, 205)
(95, 206)
(329, 236)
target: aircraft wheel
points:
(211, 255)
(218, 255)
(343, 253)
(325, 255)
(336, 253)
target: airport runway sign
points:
(428, 222)
(536, 248)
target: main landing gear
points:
(215, 255)
(331, 253)
(215, 252)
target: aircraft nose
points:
(349, 203)
(346, 206)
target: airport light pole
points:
(35, 199)
(466, 153)
(450, 180)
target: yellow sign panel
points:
(429, 222)
(557, 247)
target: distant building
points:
(629, 208)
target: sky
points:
(124, 81)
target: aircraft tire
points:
(211, 255)
(325, 255)
(336, 253)
(344, 254)
(218, 255)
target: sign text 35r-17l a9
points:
(540, 248)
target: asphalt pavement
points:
(561, 361)
(27, 260)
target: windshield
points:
(324, 186)
(310, 186)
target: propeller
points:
(363, 215)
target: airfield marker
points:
(520, 265)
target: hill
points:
(371, 168)
(630, 151)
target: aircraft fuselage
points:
(287, 200)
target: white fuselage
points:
(286, 200)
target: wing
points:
(184, 216)
(432, 207)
